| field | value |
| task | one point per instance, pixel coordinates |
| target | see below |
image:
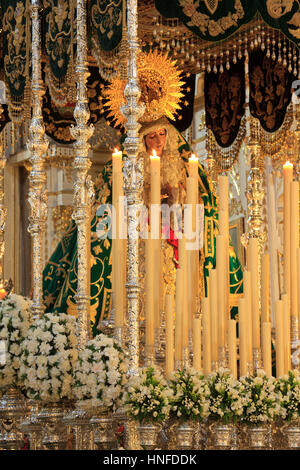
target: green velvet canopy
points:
(60, 274)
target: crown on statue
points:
(161, 89)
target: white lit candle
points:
(169, 299)
(266, 348)
(155, 229)
(118, 245)
(232, 354)
(197, 343)
(154, 178)
(247, 281)
(178, 316)
(221, 267)
(265, 288)
(243, 337)
(287, 179)
(294, 187)
(213, 298)
(253, 253)
(149, 298)
(279, 338)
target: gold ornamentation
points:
(16, 63)
(255, 192)
(3, 210)
(61, 216)
(276, 8)
(205, 23)
(225, 158)
(64, 90)
(148, 433)
(133, 182)
(160, 84)
(114, 61)
(50, 418)
(13, 409)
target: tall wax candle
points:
(232, 344)
(213, 299)
(197, 360)
(191, 254)
(118, 257)
(279, 338)
(149, 299)
(253, 251)
(155, 229)
(243, 337)
(178, 316)
(294, 187)
(154, 178)
(221, 276)
(265, 288)
(224, 230)
(117, 188)
(182, 254)
(273, 246)
(223, 193)
(298, 283)
(286, 332)
(248, 297)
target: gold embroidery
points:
(72, 307)
(208, 237)
(49, 275)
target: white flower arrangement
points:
(15, 319)
(190, 395)
(147, 397)
(226, 399)
(288, 387)
(261, 399)
(100, 374)
(48, 357)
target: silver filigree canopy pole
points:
(255, 196)
(38, 145)
(83, 192)
(133, 183)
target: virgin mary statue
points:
(156, 133)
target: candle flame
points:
(288, 164)
(193, 157)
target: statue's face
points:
(156, 141)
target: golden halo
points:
(161, 89)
